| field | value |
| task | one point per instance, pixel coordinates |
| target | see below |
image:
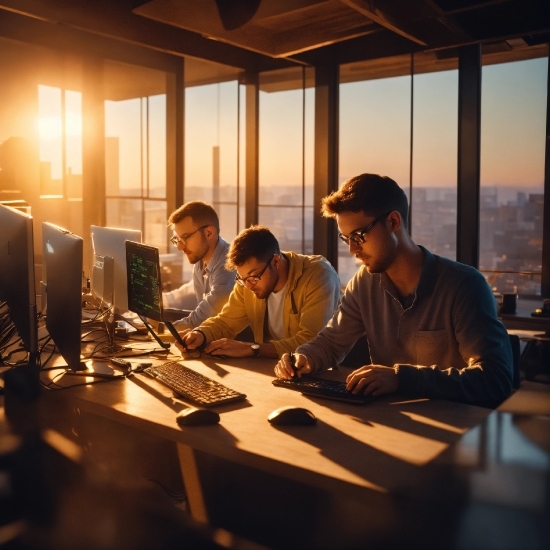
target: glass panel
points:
(435, 131)
(155, 230)
(124, 213)
(281, 147)
(512, 174)
(211, 148)
(287, 105)
(228, 221)
(73, 143)
(50, 131)
(285, 223)
(374, 137)
(123, 147)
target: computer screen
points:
(110, 242)
(17, 287)
(62, 261)
(144, 282)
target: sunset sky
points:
(374, 130)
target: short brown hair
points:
(200, 212)
(369, 193)
(256, 241)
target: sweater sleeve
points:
(321, 294)
(484, 344)
(231, 320)
(337, 338)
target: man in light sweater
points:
(431, 323)
(196, 230)
(285, 297)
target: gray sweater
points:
(448, 344)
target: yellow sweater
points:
(313, 292)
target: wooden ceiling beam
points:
(114, 19)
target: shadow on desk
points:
(280, 513)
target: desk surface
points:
(380, 446)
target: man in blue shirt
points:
(196, 230)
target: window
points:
(213, 135)
(374, 134)
(513, 131)
(286, 157)
(434, 160)
(135, 151)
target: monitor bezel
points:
(17, 275)
(63, 260)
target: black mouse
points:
(193, 416)
(291, 416)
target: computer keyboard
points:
(320, 387)
(192, 385)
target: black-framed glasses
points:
(253, 279)
(358, 236)
(175, 240)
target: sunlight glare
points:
(49, 127)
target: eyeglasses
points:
(253, 279)
(358, 236)
(175, 240)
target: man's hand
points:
(192, 340)
(373, 380)
(229, 348)
(283, 369)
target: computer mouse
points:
(193, 416)
(291, 416)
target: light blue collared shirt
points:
(211, 286)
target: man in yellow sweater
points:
(285, 297)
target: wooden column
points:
(93, 149)
(469, 140)
(252, 110)
(545, 283)
(326, 159)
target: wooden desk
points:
(393, 460)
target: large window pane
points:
(155, 224)
(124, 213)
(123, 147)
(214, 162)
(50, 130)
(286, 157)
(512, 174)
(374, 138)
(434, 174)
(135, 150)
(157, 145)
(211, 136)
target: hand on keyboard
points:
(373, 380)
(291, 365)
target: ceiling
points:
(261, 35)
(305, 30)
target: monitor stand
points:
(164, 345)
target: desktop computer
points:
(62, 273)
(110, 242)
(17, 288)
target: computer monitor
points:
(110, 242)
(62, 261)
(145, 287)
(17, 287)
